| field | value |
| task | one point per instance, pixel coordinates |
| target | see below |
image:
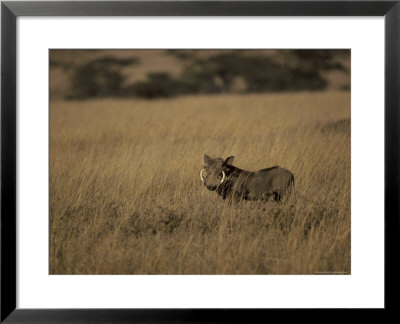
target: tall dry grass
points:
(126, 197)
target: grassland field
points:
(126, 197)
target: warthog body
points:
(229, 181)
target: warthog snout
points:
(229, 181)
(212, 179)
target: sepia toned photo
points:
(200, 161)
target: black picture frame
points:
(9, 13)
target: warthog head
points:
(214, 172)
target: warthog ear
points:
(207, 159)
(229, 160)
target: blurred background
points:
(150, 74)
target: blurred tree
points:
(99, 78)
(157, 85)
(321, 60)
(217, 73)
(160, 85)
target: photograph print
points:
(200, 161)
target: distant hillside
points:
(78, 74)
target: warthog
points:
(229, 181)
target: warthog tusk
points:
(201, 175)
(223, 176)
